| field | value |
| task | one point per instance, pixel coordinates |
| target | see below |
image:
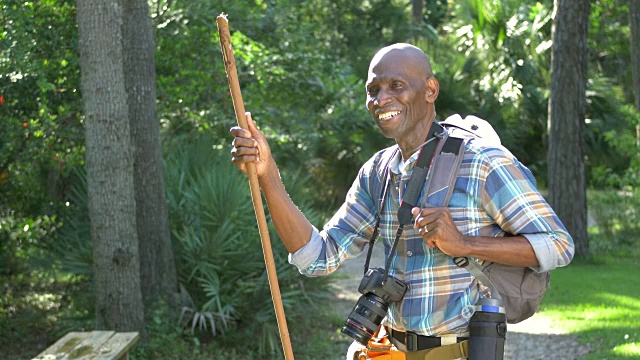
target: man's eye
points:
(396, 85)
(373, 91)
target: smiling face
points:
(401, 91)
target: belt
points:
(415, 342)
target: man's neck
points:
(415, 146)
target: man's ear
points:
(433, 89)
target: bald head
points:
(405, 54)
(401, 94)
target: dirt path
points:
(533, 339)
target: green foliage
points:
(313, 336)
(220, 260)
(609, 42)
(73, 249)
(617, 217)
(503, 60)
(41, 134)
(219, 257)
(37, 308)
(301, 66)
(501, 73)
(22, 240)
(166, 341)
(607, 116)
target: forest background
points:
(302, 66)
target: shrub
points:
(225, 295)
(617, 218)
(218, 251)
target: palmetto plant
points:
(498, 67)
(73, 249)
(506, 45)
(218, 253)
(220, 260)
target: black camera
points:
(371, 307)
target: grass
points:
(599, 301)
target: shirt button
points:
(409, 253)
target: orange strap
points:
(380, 348)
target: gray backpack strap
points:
(439, 190)
(477, 273)
(441, 184)
(444, 172)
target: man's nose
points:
(383, 98)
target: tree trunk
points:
(634, 49)
(416, 11)
(157, 264)
(109, 159)
(567, 112)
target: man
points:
(494, 194)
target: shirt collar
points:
(399, 166)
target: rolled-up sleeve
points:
(305, 256)
(346, 235)
(510, 196)
(547, 253)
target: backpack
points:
(521, 289)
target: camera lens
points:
(365, 318)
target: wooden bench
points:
(102, 345)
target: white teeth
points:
(388, 115)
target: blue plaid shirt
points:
(494, 194)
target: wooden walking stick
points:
(238, 105)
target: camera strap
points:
(385, 190)
(420, 173)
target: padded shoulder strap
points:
(440, 188)
(445, 171)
